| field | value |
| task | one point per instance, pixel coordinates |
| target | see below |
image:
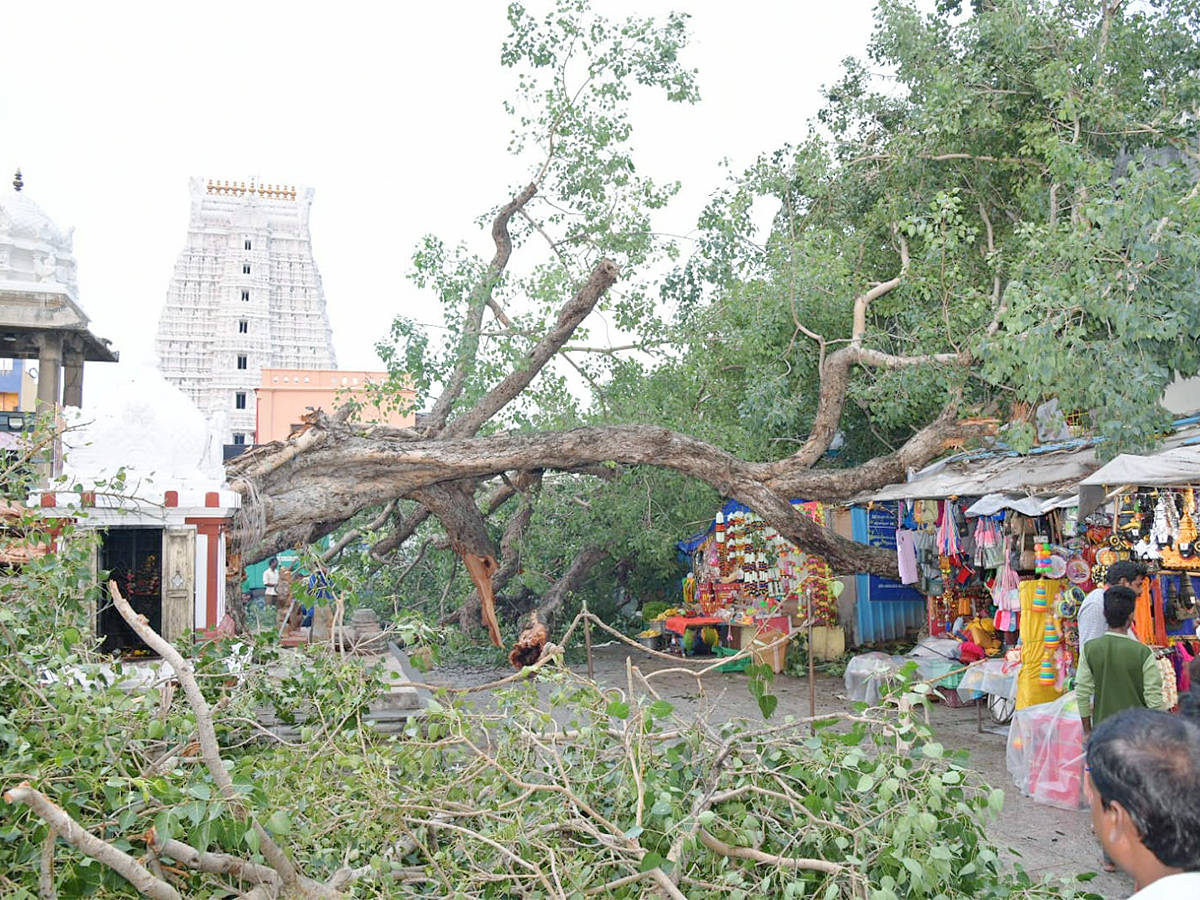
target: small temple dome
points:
(20, 218)
(140, 423)
(33, 249)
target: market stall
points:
(1152, 502)
(987, 539)
(749, 585)
(1145, 511)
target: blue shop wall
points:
(886, 609)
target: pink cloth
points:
(906, 556)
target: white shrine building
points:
(245, 296)
(40, 315)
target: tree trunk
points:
(553, 599)
(349, 468)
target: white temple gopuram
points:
(245, 296)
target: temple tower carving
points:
(245, 296)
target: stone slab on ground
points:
(389, 713)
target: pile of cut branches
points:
(559, 790)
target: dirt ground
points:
(1045, 840)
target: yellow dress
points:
(1033, 649)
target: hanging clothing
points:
(1143, 615)
(906, 556)
(1170, 691)
(1185, 657)
(1034, 616)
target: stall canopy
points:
(1048, 477)
(1180, 465)
(1031, 483)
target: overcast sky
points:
(391, 111)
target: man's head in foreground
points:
(1143, 783)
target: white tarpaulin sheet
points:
(1045, 474)
(1171, 467)
(990, 504)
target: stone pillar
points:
(50, 359)
(72, 390)
(49, 388)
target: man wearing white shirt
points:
(1142, 780)
(1091, 611)
(271, 582)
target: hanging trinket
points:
(1046, 674)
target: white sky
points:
(391, 111)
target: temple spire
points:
(18, 181)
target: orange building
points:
(287, 394)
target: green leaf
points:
(618, 709)
(767, 704)
(660, 709)
(162, 825)
(650, 861)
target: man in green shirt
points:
(1116, 671)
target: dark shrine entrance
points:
(133, 558)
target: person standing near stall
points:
(271, 582)
(1116, 670)
(1125, 573)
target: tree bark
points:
(352, 468)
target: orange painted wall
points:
(287, 394)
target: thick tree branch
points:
(214, 863)
(402, 533)
(784, 862)
(570, 580)
(354, 470)
(355, 533)
(837, 366)
(453, 503)
(573, 312)
(862, 303)
(510, 550)
(90, 845)
(46, 888)
(436, 420)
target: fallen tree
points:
(937, 261)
